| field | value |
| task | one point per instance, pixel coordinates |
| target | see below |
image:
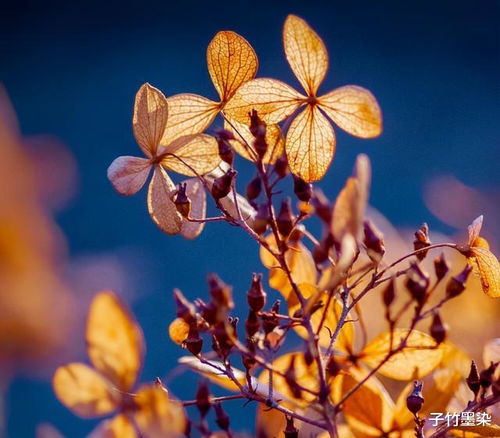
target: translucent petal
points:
(84, 391)
(188, 114)
(128, 174)
(157, 416)
(354, 109)
(474, 229)
(196, 194)
(418, 358)
(192, 154)
(178, 330)
(486, 265)
(244, 141)
(305, 52)
(273, 100)
(150, 118)
(117, 427)
(310, 144)
(160, 205)
(115, 343)
(231, 62)
(491, 351)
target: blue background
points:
(73, 69)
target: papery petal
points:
(244, 141)
(160, 205)
(305, 52)
(474, 229)
(84, 391)
(231, 62)
(354, 109)
(272, 99)
(115, 343)
(310, 145)
(486, 265)
(188, 114)
(119, 426)
(128, 174)
(491, 352)
(192, 154)
(150, 118)
(196, 194)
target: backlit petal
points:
(310, 145)
(128, 174)
(196, 194)
(117, 427)
(354, 109)
(486, 265)
(231, 62)
(306, 53)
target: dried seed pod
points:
(254, 188)
(486, 377)
(389, 293)
(261, 220)
(182, 202)
(438, 328)
(374, 242)
(226, 153)
(415, 400)
(256, 295)
(441, 267)
(223, 184)
(286, 218)
(290, 430)
(322, 206)
(320, 255)
(184, 308)
(220, 292)
(303, 190)
(271, 321)
(203, 398)
(281, 167)
(208, 311)
(456, 284)
(417, 283)
(472, 380)
(193, 342)
(333, 368)
(258, 129)
(252, 324)
(422, 241)
(221, 418)
(224, 343)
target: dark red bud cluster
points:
(223, 184)
(473, 379)
(374, 242)
(226, 153)
(286, 219)
(258, 129)
(303, 190)
(182, 202)
(256, 295)
(438, 328)
(456, 284)
(422, 241)
(441, 267)
(254, 188)
(281, 167)
(417, 283)
(415, 400)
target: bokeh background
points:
(71, 70)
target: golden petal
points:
(119, 426)
(310, 145)
(231, 62)
(486, 265)
(354, 109)
(306, 53)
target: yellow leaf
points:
(439, 388)
(305, 52)
(369, 410)
(231, 62)
(117, 427)
(270, 423)
(354, 109)
(160, 205)
(188, 114)
(150, 118)
(157, 416)
(418, 358)
(455, 359)
(310, 144)
(476, 431)
(84, 391)
(128, 174)
(178, 330)
(486, 265)
(272, 99)
(192, 154)
(196, 194)
(115, 344)
(244, 140)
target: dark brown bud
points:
(208, 311)
(308, 356)
(220, 292)
(193, 342)
(389, 293)
(226, 153)
(438, 328)
(256, 295)
(322, 206)
(415, 400)
(281, 167)
(203, 398)
(252, 324)
(417, 283)
(258, 129)
(223, 339)
(291, 379)
(374, 242)
(286, 218)
(254, 188)
(270, 322)
(333, 368)
(184, 308)
(221, 418)
(303, 190)
(473, 380)
(320, 254)
(223, 184)
(441, 267)
(261, 220)
(456, 284)
(290, 430)
(182, 202)
(422, 241)
(486, 377)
